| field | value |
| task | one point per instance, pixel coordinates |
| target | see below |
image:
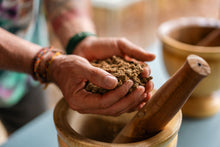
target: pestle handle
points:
(210, 39)
(166, 102)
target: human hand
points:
(70, 73)
(93, 48)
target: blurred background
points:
(136, 20)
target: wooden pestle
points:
(166, 102)
(210, 39)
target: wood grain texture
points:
(166, 102)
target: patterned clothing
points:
(15, 17)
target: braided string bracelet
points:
(36, 61)
(42, 74)
(49, 61)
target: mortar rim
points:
(68, 135)
(165, 28)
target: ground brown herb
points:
(123, 70)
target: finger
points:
(147, 98)
(129, 102)
(127, 58)
(149, 86)
(138, 107)
(135, 105)
(119, 112)
(114, 96)
(91, 101)
(146, 72)
(134, 51)
(101, 48)
(101, 78)
(142, 104)
(126, 103)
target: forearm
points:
(69, 17)
(15, 53)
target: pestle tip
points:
(199, 65)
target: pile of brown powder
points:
(123, 70)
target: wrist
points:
(76, 40)
(42, 62)
(54, 70)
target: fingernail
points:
(145, 95)
(149, 95)
(130, 83)
(110, 81)
(142, 105)
(142, 89)
(148, 72)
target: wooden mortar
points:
(200, 36)
(87, 130)
(158, 118)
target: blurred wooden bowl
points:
(200, 36)
(86, 130)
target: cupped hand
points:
(93, 48)
(71, 72)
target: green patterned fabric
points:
(13, 86)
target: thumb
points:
(134, 51)
(101, 78)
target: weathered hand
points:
(70, 73)
(100, 48)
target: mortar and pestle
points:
(201, 36)
(156, 124)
